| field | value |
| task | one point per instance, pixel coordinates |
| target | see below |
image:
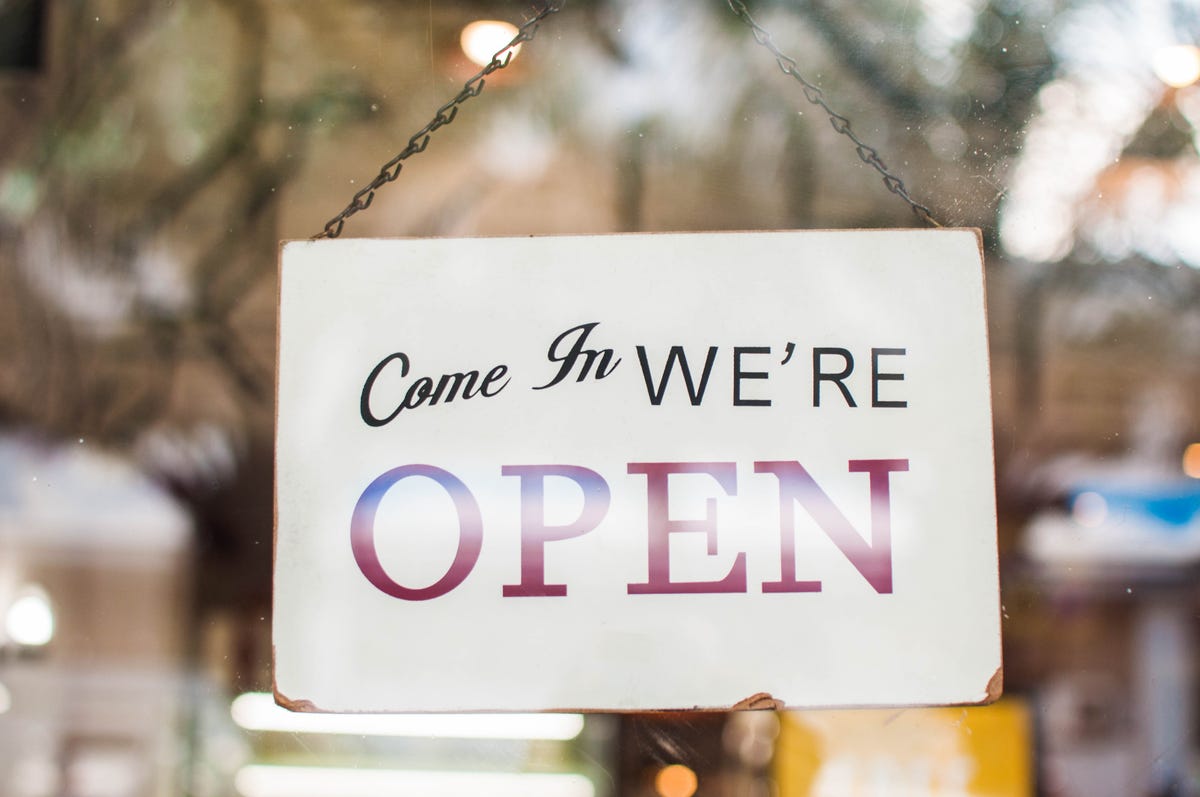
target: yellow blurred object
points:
(982, 751)
(676, 780)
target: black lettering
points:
(820, 376)
(447, 388)
(496, 373)
(677, 354)
(877, 377)
(602, 359)
(418, 391)
(364, 403)
(739, 375)
(454, 382)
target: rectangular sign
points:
(635, 472)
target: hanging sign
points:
(635, 472)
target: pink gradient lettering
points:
(660, 527)
(470, 533)
(535, 533)
(796, 486)
(872, 559)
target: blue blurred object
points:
(1175, 505)
(1139, 520)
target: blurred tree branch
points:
(865, 63)
(69, 378)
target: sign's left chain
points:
(444, 116)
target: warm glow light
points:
(1089, 509)
(483, 38)
(271, 781)
(1191, 460)
(676, 781)
(256, 711)
(1178, 65)
(30, 619)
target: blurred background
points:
(153, 154)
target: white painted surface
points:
(342, 644)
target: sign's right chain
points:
(869, 155)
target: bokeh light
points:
(676, 780)
(30, 619)
(483, 38)
(1191, 461)
(1178, 65)
(1089, 509)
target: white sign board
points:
(635, 472)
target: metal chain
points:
(868, 154)
(472, 88)
(444, 116)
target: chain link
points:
(444, 116)
(866, 153)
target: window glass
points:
(152, 156)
